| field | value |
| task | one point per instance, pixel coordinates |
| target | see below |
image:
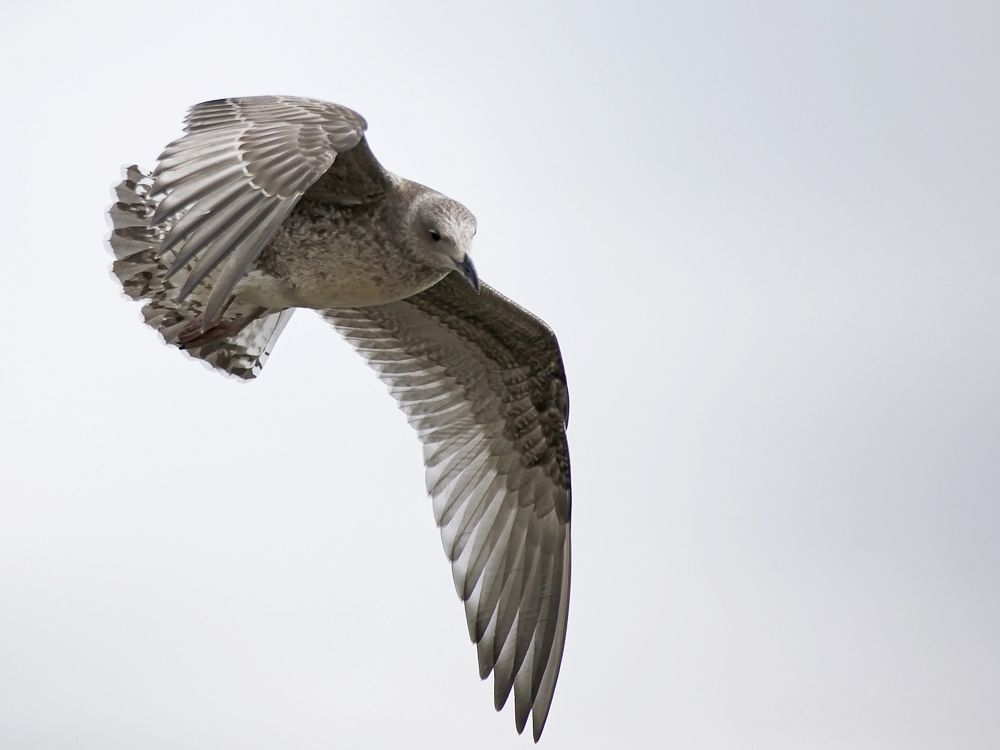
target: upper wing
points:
(482, 382)
(231, 180)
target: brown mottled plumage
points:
(271, 203)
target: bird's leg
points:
(192, 336)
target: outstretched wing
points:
(482, 382)
(230, 181)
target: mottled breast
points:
(326, 255)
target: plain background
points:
(766, 235)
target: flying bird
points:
(271, 203)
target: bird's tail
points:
(142, 271)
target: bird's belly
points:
(306, 269)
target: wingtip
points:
(538, 723)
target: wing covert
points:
(482, 382)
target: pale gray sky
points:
(766, 235)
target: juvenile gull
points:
(270, 203)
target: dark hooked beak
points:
(468, 271)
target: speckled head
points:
(441, 229)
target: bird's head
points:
(441, 230)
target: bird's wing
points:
(482, 382)
(233, 177)
(141, 268)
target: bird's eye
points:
(435, 235)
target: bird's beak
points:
(468, 271)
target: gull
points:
(272, 203)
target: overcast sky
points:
(766, 235)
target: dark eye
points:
(435, 235)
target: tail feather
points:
(141, 267)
